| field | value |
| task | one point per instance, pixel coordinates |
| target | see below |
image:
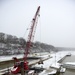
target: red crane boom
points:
(24, 64)
(31, 33)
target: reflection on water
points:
(8, 64)
(69, 71)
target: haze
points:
(56, 25)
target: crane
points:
(24, 63)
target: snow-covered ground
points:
(6, 58)
(52, 62)
(55, 58)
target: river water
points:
(69, 71)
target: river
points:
(69, 71)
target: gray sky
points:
(56, 25)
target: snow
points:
(62, 70)
(70, 63)
(47, 64)
(48, 72)
(52, 62)
(55, 56)
(6, 58)
(31, 72)
(55, 65)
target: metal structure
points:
(18, 66)
(31, 33)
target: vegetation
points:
(13, 45)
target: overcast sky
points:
(56, 25)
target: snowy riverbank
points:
(51, 62)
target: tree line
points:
(5, 38)
(10, 44)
